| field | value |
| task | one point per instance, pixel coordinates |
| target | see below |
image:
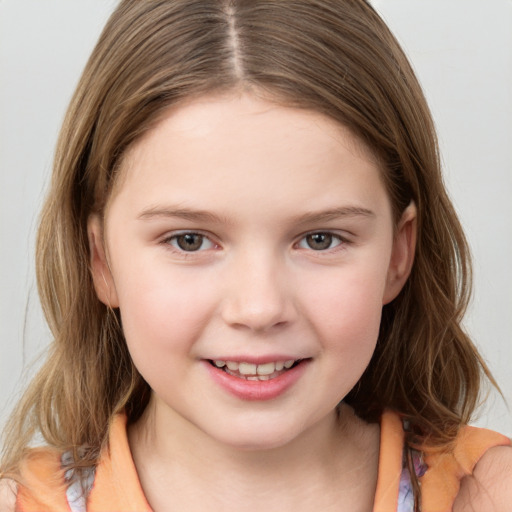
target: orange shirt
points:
(440, 483)
(116, 487)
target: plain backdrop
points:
(462, 52)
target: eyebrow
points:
(333, 214)
(181, 213)
(207, 216)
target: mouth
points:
(256, 372)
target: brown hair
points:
(336, 57)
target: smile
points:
(251, 381)
(259, 372)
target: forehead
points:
(256, 110)
(241, 144)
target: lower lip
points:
(257, 389)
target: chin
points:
(259, 436)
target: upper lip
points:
(257, 359)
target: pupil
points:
(319, 241)
(190, 241)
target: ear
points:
(100, 270)
(402, 255)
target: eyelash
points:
(175, 237)
(341, 242)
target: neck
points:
(340, 452)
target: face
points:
(250, 248)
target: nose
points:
(258, 295)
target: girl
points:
(254, 278)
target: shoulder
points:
(42, 483)
(8, 491)
(489, 488)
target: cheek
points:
(351, 317)
(347, 310)
(161, 310)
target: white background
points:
(462, 52)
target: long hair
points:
(335, 57)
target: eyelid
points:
(343, 241)
(166, 240)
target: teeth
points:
(266, 369)
(247, 368)
(252, 371)
(251, 377)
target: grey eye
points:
(190, 242)
(320, 241)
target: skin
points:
(489, 488)
(256, 287)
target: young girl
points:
(254, 278)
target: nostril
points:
(258, 307)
